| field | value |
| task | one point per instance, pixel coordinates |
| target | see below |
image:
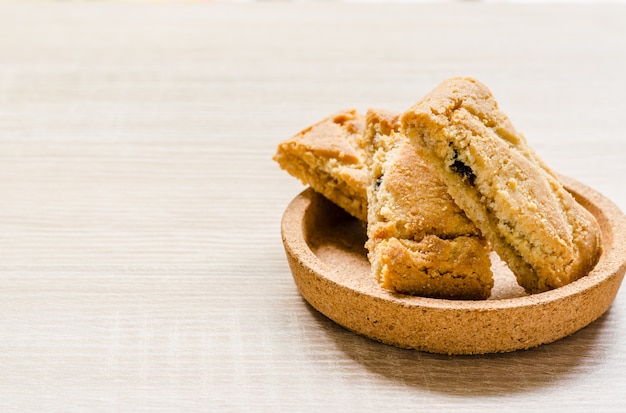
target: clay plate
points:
(325, 250)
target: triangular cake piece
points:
(419, 241)
(330, 158)
(536, 226)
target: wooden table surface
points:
(141, 263)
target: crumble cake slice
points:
(419, 240)
(536, 226)
(329, 157)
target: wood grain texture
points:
(141, 265)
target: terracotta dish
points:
(325, 250)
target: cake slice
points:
(330, 158)
(536, 226)
(419, 240)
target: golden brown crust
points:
(329, 156)
(547, 239)
(419, 241)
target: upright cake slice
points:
(535, 225)
(329, 156)
(419, 241)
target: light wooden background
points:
(141, 265)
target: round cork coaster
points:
(325, 250)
